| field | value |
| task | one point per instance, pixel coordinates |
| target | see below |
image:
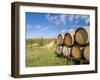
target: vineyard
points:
(39, 42)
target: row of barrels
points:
(74, 46)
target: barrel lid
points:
(70, 40)
(86, 36)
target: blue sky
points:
(48, 25)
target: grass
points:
(43, 55)
(38, 56)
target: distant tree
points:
(41, 41)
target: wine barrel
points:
(68, 40)
(76, 52)
(59, 39)
(86, 54)
(59, 50)
(81, 36)
(88, 32)
(66, 51)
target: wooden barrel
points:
(76, 52)
(66, 51)
(86, 54)
(59, 39)
(81, 36)
(59, 50)
(68, 40)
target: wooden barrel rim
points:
(83, 57)
(68, 54)
(56, 50)
(60, 40)
(75, 36)
(71, 52)
(71, 38)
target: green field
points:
(41, 52)
(42, 57)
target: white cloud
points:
(71, 30)
(77, 16)
(49, 17)
(29, 27)
(57, 19)
(53, 19)
(63, 31)
(86, 18)
(63, 18)
(76, 21)
(38, 26)
(71, 18)
(45, 28)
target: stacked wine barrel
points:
(74, 46)
(59, 45)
